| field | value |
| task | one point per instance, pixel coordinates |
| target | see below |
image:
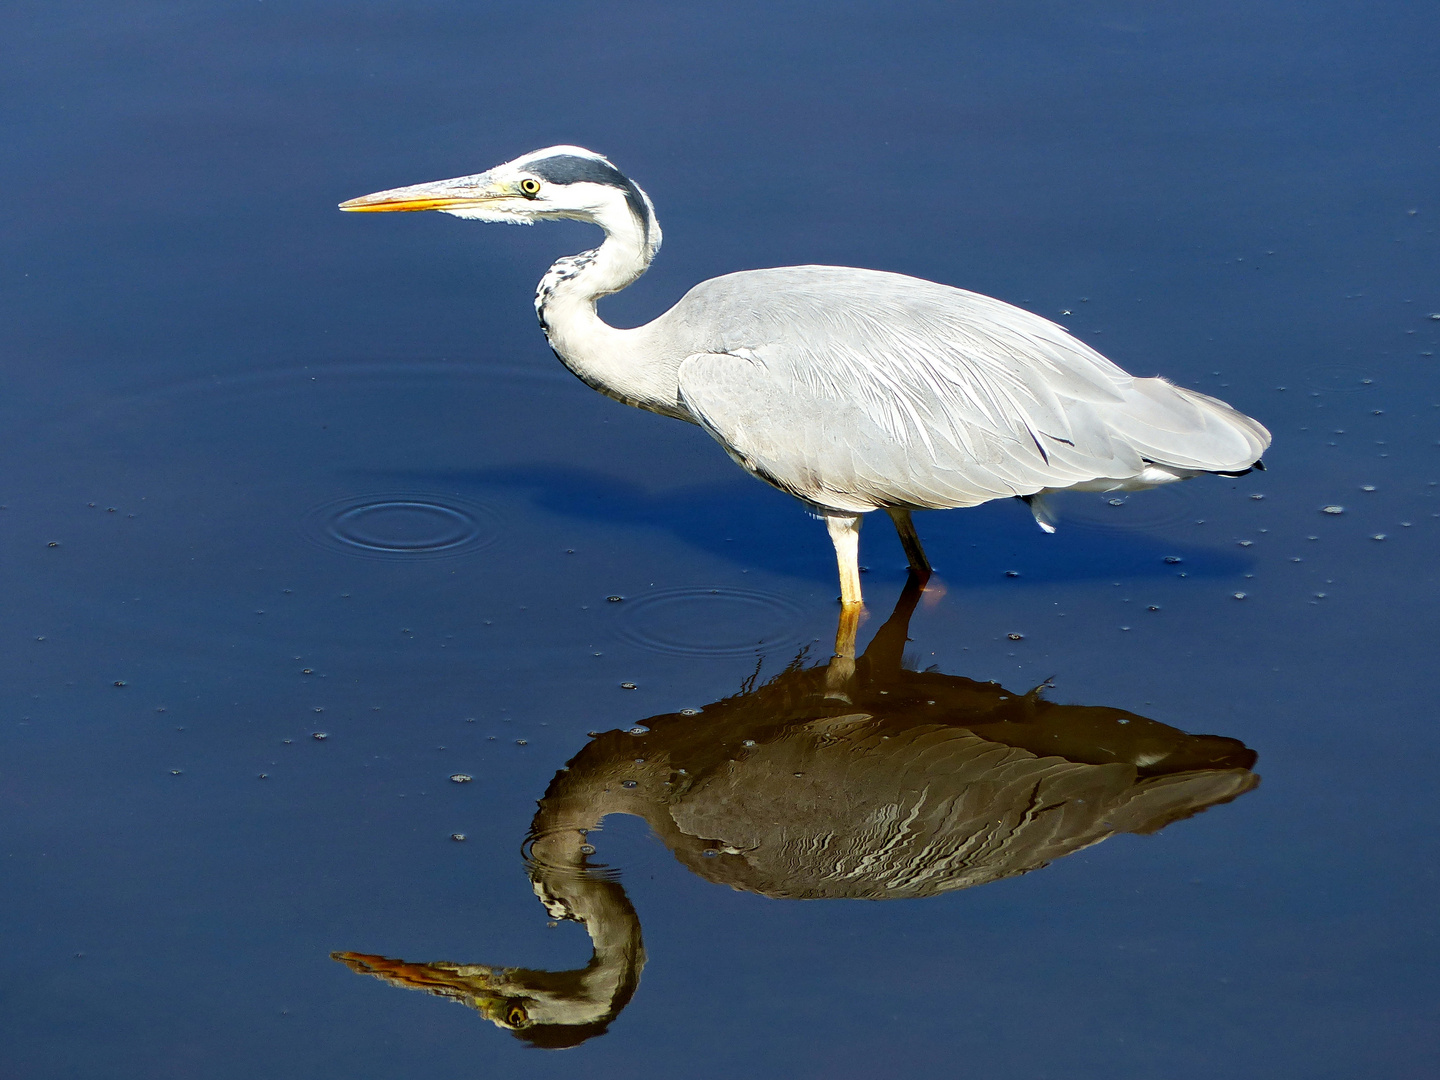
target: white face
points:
(558, 182)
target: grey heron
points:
(852, 390)
(854, 779)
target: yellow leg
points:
(845, 535)
(910, 541)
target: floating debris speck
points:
(319, 736)
(1016, 637)
(460, 778)
(628, 686)
(457, 836)
(1173, 559)
(1239, 595)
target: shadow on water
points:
(855, 779)
(754, 526)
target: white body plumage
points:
(853, 390)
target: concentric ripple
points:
(709, 622)
(1132, 510)
(403, 526)
(1340, 378)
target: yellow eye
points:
(516, 1016)
(529, 187)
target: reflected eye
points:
(529, 187)
(516, 1016)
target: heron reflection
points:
(855, 779)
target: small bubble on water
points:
(614, 599)
(522, 742)
(460, 778)
(1016, 637)
(1367, 487)
(53, 543)
(710, 853)
(176, 772)
(1116, 502)
(1257, 497)
(1239, 595)
(263, 776)
(639, 729)
(1153, 607)
(319, 736)
(748, 742)
(119, 682)
(457, 836)
(629, 686)
(1247, 543)
(689, 712)
(628, 783)
(287, 742)
(307, 671)
(1378, 536)
(1435, 315)
(1332, 509)
(1173, 559)
(587, 849)
(1012, 573)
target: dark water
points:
(275, 472)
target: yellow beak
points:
(435, 195)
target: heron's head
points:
(546, 1009)
(556, 183)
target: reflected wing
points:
(855, 389)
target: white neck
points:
(615, 362)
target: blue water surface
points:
(275, 472)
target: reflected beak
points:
(454, 194)
(473, 982)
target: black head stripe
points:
(573, 169)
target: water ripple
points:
(404, 526)
(709, 622)
(1157, 508)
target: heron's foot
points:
(932, 590)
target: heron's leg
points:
(845, 535)
(910, 541)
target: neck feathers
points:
(618, 363)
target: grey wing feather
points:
(855, 389)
